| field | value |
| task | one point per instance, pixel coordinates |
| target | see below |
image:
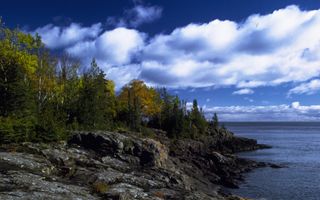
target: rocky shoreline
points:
(124, 166)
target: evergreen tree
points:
(96, 102)
(177, 119)
(198, 121)
(68, 89)
(42, 96)
(215, 121)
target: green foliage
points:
(28, 109)
(147, 132)
(215, 121)
(43, 97)
(96, 105)
(176, 120)
(16, 129)
(17, 66)
(197, 118)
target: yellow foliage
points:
(148, 97)
(17, 46)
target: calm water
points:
(296, 145)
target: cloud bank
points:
(293, 112)
(264, 50)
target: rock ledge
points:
(107, 165)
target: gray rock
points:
(106, 165)
(16, 185)
(26, 162)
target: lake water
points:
(295, 145)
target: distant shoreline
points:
(228, 122)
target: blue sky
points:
(246, 60)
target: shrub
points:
(100, 187)
(147, 132)
(27, 129)
(16, 130)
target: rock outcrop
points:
(106, 165)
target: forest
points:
(44, 97)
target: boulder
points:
(149, 152)
(153, 153)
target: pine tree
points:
(68, 89)
(215, 121)
(41, 96)
(198, 121)
(96, 100)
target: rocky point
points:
(124, 166)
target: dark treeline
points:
(43, 97)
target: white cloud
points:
(114, 47)
(264, 50)
(61, 37)
(137, 16)
(306, 88)
(293, 112)
(123, 75)
(118, 45)
(114, 51)
(243, 91)
(295, 104)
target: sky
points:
(248, 60)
